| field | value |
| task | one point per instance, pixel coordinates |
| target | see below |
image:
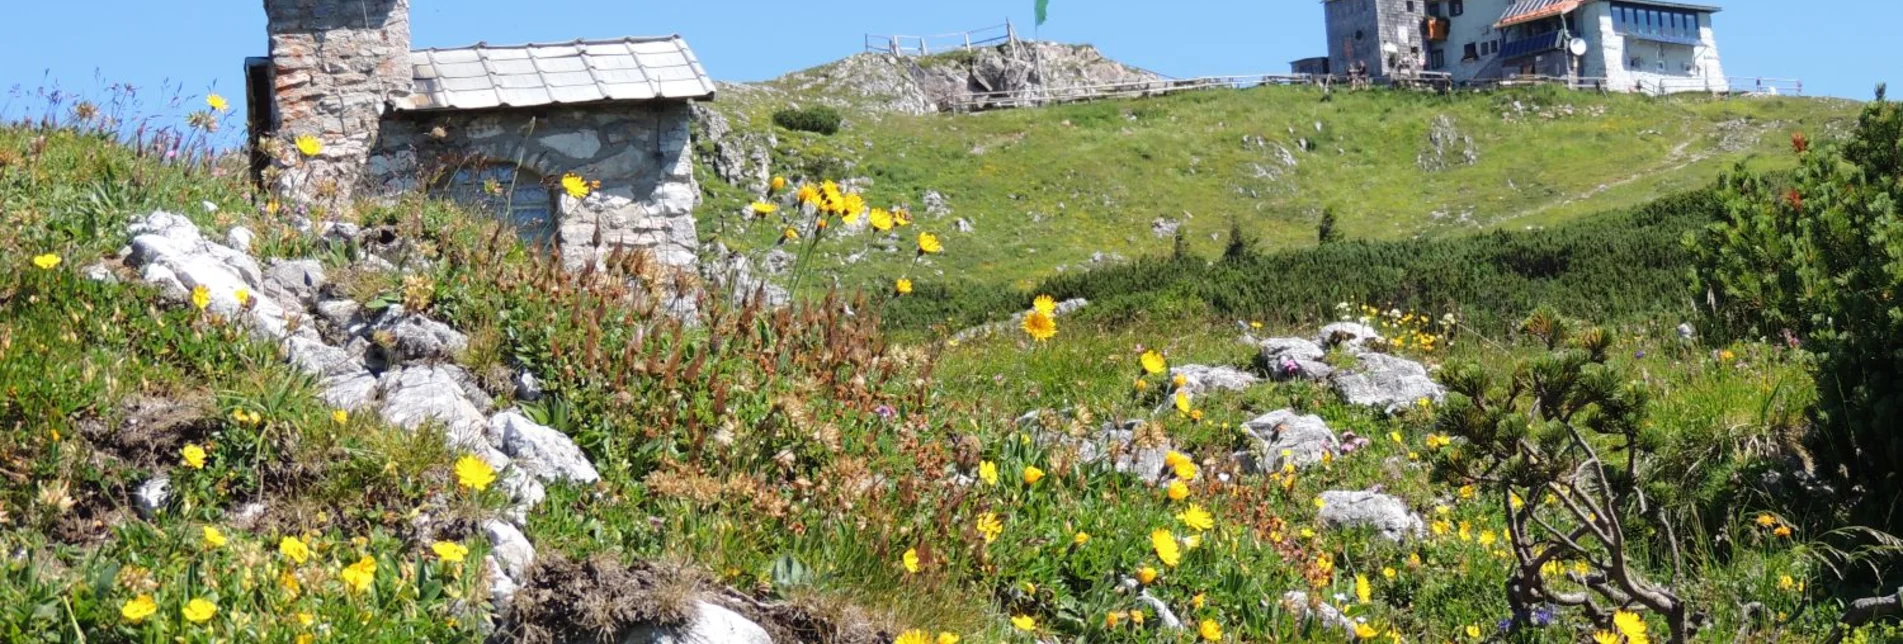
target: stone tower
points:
(336, 66)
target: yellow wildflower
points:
(1196, 518)
(199, 610)
(1782, 531)
(1178, 490)
(1039, 325)
(988, 472)
(1182, 401)
(1366, 632)
(1210, 630)
(1032, 475)
(881, 219)
(1468, 491)
(1473, 631)
(913, 636)
(46, 262)
(901, 217)
(1044, 304)
(1605, 637)
(1111, 619)
(910, 560)
(947, 638)
(1136, 617)
(574, 185)
(763, 208)
(777, 184)
(359, 576)
(295, 549)
(474, 473)
(214, 538)
(449, 551)
(309, 145)
(1024, 623)
(989, 526)
(928, 244)
(1153, 362)
(1146, 575)
(807, 193)
(1166, 549)
(138, 608)
(217, 103)
(1080, 538)
(791, 235)
(289, 583)
(1193, 541)
(201, 297)
(1364, 592)
(1629, 624)
(339, 416)
(193, 456)
(1387, 572)
(903, 286)
(1198, 601)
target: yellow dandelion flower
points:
(913, 636)
(1629, 624)
(901, 217)
(1387, 572)
(1111, 619)
(881, 219)
(1179, 381)
(193, 456)
(1785, 582)
(289, 583)
(852, 206)
(359, 576)
(763, 209)
(575, 186)
(1165, 546)
(790, 235)
(217, 103)
(807, 194)
(1196, 518)
(306, 619)
(339, 416)
(947, 638)
(988, 472)
(1766, 521)
(1153, 362)
(1039, 325)
(199, 610)
(1364, 592)
(135, 610)
(1210, 631)
(214, 538)
(1080, 538)
(1024, 623)
(1366, 632)
(1146, 574)
(1182, 401)
(1193, 541)
(1044, 304)
(1468, 491)
(46, 262)
(903, 286)
(1032, 475)
(308, 145)
(989, 526)
(295, 549)
(449, 551)
(1605, 637)
(1136, 618)
(1473, 631)
(1141, 385)
(910, 560)
(777, 184)
(1198, 601)
(1782, 531)
(201, 297)
(1178, 490)
(474, 473)
(928, 244)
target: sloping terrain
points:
(1027, 193)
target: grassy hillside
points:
(1045, 189)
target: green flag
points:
(1043, 11)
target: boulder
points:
(152, 495)
(294, 280)
(1285, 437)
(1293, 358)
(1353, 335)
(527, 386)
(239, 239)
(1387, 514)
(711, 624)
(1200, 379)
(98, 272)
(420, 394)
(1386, 382)
(540, 450)
(418, 337)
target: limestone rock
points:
(1297, 603)
(1114, 442)
(99, 273)
(527, 386)
(1199, 379)
(294, 280)
(1353, 335)
(510, 548)
(711, 624)
(1387, 514)
(540, 450)
(1283, 436)
(418, 337)
(1386, 382)
(152, 495)
(239, 238)
(1292, 358)
(419, 394)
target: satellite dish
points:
(1577, 46)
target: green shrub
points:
(1817, 258)
(820, 119)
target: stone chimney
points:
(337, 66)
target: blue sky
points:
(1834, 46)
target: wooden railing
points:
(941, 43)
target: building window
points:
(1410, 6)
(1358, 34)
(1458, 7)
(515, 195)
(1436, 58)
(1664, 25)
(1472, 52)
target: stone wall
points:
(639, 152)
(1363, 31)
(337, 66)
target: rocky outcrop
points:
(1117, 444)
(1283, 437)
(1294, 358)
(711, 623)
(922, 85)
(1386, 382)
(1200, 379)
(1388, 515)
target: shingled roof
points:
(583, 71)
